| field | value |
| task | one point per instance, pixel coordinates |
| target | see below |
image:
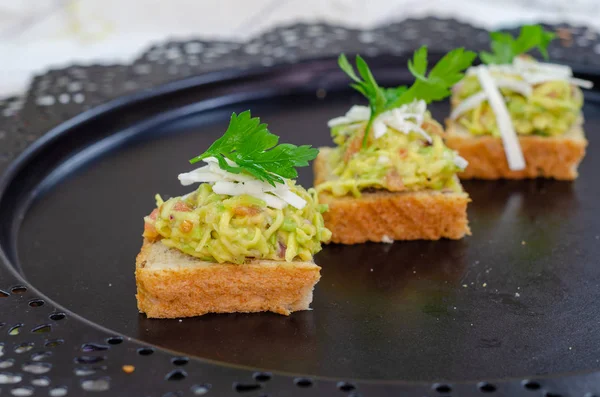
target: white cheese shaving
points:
(460, 162)
(474, 100)
(538, 78)
(512, 148)
(284, 193)
(249, 188)
(533, 72)
(355, 114)
(407, 118)
(581, 83)
(383, 160)
(379, 128)
(470, 103)
(525, 65)
(515, 85)
(224, 182)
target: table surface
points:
(56, 33)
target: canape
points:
(243, 241)
(514, 117)
(391, 177)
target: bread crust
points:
(546, 157)
(171, 284)
(382, 216)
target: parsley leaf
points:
(254, 150)
(429, 87)
(505, 47)
(438, 83)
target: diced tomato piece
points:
(182, 206)
(394, 181)
(150, 231)
(243, 210)
(154, 214)
(353, 147)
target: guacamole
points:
(222, 228)
(396, 161)
(551, 109)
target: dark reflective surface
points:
(517, 298)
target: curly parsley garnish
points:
(505, 47)
(255, 151)
(429, 87)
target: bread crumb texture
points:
(171, 284)
(546, 157)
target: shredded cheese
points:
(522, 74)
(355, 114)
(533, 72)
(383, 160)
(515, 85)
(407, 118)
(512, 148)
(582, 83)
(224, 182)
(460, 162)
(474, 100)
(470, 103)
(559, 71)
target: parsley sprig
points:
(505, 47)
(255, 151)
(429, 87)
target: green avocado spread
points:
(395, 161)
(551, 109)
(222, 228)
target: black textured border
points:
(49, 351)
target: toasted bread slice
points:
(547, 157)
(172, 284)
(383, 216)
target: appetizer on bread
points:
(514, 117)
(243, 241)
(391, 177)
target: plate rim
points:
(80, 115)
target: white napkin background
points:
(36, 35)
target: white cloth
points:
(56, 33)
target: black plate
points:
(515, 300)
